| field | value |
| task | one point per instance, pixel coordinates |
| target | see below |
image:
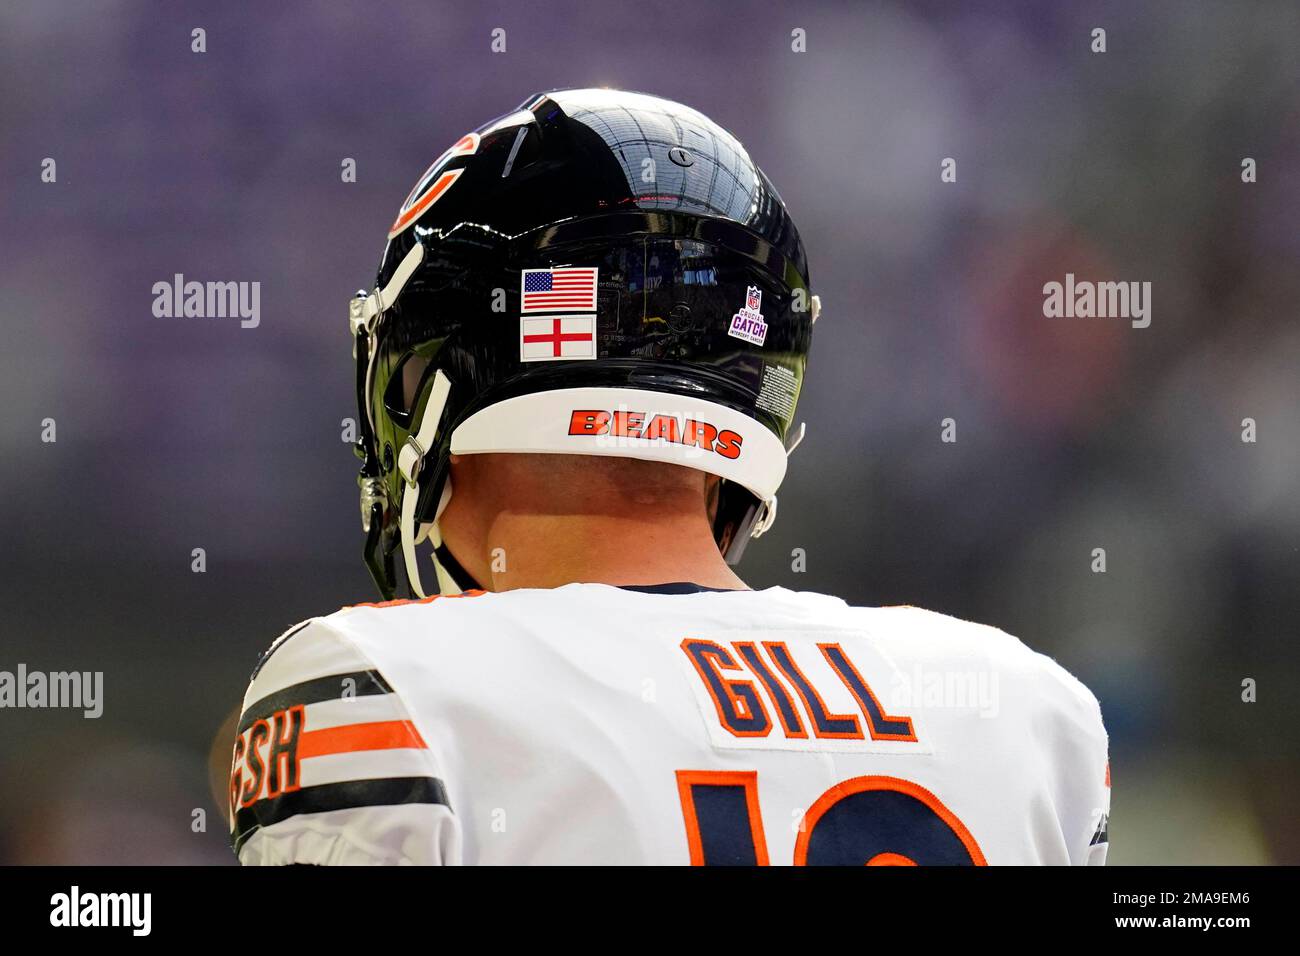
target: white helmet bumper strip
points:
(610, 421)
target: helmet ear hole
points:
(404, 388)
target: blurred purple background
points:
(1072, 434)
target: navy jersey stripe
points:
(346, 795)
(673, 587)
(366, 683)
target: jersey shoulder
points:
(328, 765)
(352, 634)
(1034, 677)
(1052, 709)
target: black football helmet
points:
(597, 273)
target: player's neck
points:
(549, 550)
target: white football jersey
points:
(590, 724)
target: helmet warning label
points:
(645, 426)
(778, 392)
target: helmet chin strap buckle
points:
(410, 460)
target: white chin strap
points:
(446, 583)
(364, 315)
(409, 462)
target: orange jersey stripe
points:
(382, 735)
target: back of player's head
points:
(598, 273)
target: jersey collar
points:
(674, 587)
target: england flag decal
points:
(554, 338)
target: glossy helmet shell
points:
(684, 232)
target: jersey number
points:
(876, 821)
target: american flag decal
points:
(559, 290)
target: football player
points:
(576, 376)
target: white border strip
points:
(539, 422)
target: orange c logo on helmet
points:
(435, 181)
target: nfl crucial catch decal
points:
(748, 324)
